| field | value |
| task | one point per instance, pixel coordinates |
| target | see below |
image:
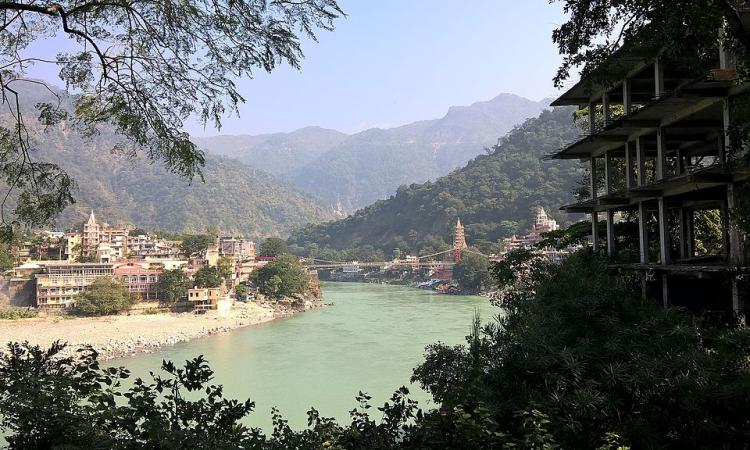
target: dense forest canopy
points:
(142, 67)
(494, 196)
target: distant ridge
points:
(494, 195)
(236, 198)
(347, 172)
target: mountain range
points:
(122, 189)
(494, 196)
(347, 172)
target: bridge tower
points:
(459, 241)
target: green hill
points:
(236, 198)
(351, 171)
(493, 195)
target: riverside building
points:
(658, 151)
(60, 283)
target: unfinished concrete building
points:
(659, 154)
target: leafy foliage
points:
(173, 285)
(472, 273)
(208, 277)
(195, 244)
(597, 28)
(124, 190)
(494, 195)
(104, 296)
(143, 68)
(273, 247)
(18, 313)
(580, 346)
(283, 277)
(351, 171)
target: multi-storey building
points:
(666, 162)
(236, 247)
(139, 277)
(204, 299)
(95, 234)
(59, 284)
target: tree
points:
(144, 67)
(273, 247)
(282, 278)
(225, 266)
(472, 273)
(104, 296)
(241, 290)
(137, 232)
(208, 277)
(173, 285)
(597, 28)
(195, 244)
(578, 346)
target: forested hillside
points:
(493, 195)
(234, 197)
(349, 172)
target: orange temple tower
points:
(459, 241)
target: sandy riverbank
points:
(116, 336)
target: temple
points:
(459, 241)
(660, 159)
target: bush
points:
(283, 277)
(104, 296)
(580, 346)
(17, 313)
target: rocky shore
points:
(119, 336)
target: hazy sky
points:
(392, 62)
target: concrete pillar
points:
(593, 181)
(611, 248)
(606, 109)
(627, 96)
(595, 231)
(665, 290)
(680, 163)
(608, 176)
(722, 149)
(659, 77)
(643, 232)
(727, 142)
(661, 154)
(628, 166)
(686, 235)
(640, 160)
(664, 232)
(592, 118)
(736, 250)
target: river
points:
(369, 340)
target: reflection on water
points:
(370, 341)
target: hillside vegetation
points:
(351, 171)
(493, 195)
(234, 197)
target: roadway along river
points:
(369, 340)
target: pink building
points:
(139, 278)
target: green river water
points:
(369, 340)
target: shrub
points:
(104, 296)
(17, 313)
